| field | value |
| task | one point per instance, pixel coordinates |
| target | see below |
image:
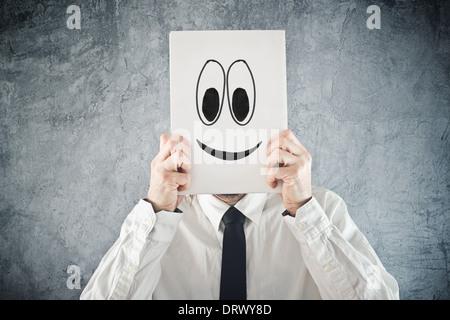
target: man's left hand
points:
(289, 161)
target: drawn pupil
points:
(211, 104)
(240, 104)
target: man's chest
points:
(191, 266)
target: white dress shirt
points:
(318, 254)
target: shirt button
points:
(302, 225)
(149, 221)
(132, 267)
(329, 267)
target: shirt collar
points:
(251, 206)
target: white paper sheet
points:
(228, 93)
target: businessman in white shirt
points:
(300, 244)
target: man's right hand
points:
(169, 172)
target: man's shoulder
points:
(326, 198)
(332, 204)
(321, 193)
(329, 201)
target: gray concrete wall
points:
(82, 110)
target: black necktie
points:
(233, 281)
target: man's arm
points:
(135, 256)
(147, 231)
(338, 256)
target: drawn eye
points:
(241, 92)
(210, 92)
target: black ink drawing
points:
(240, 106)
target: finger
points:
(184, 163)
(177, 161)
(286, 140)
(184, 187)
(286, 174)
(166, 150)
(293, 138)
(271, 181)
(285, 143)
(279, 157)
(163, 139)
(180, 138)
(282, 173)
(182, 179)
(172, 145)
(176, 179)
(174, 136)
(184, 146)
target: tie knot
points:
(233, 216)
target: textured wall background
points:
(82, 110)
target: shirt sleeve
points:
(144, 238)
(336, 253)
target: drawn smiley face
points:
(238, 84)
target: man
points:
(302, 245)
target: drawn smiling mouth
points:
(224, 155)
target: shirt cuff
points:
(159, 226)
(309, 222)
